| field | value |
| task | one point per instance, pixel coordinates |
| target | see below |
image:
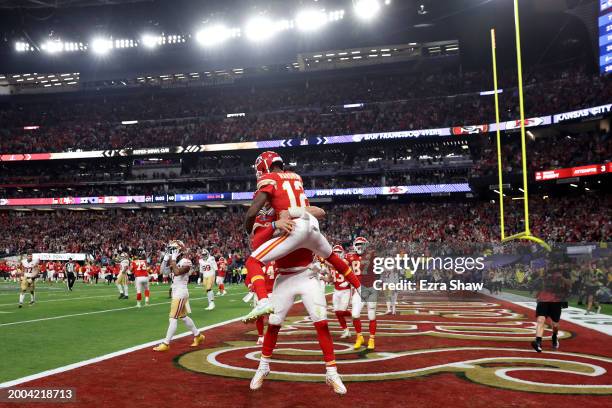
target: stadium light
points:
(367, 9)
(310, 20)
(101, 46)
(262, 28)
(215, 35)
(52, 46)
(150, 41)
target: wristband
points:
(273, 225)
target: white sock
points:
(191, 326)
(388, 305)
(264, 362)
(211, 296)
(171, 330)
(21, 297)
(120, 288)
(147, 299)
(32, 297)
(125, 290)
(331, 370)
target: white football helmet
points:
(338, 250)
(177, 245)
(204, 253)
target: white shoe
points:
(138, 304)
(264, 307)
(346, 334)
(211, 306)
(334, 381)
(259, 377)
(260, 340)
(224, 293)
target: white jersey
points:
(28, 268)
(124, 266)
(179, 282)
(208, 267)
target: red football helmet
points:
(360, 244)
(264, 161)
(338, 250)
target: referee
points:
(70, 273)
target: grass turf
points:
(67, 327)
(606, 308)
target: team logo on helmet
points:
(264, 162)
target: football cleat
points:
(20, 305)
(334, 381)
(264, 307)
(197, 340)
(555, 343)
(161, 347)
(138, 304)
(259, 377)
(346, 333)
(120, 296)
(260, 340)
(536, 346)
(359, 342)
(211, 306)
(32, 302)
(371, 344)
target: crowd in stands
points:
(299, 110)
(108, 233)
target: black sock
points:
(539, 340)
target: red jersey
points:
(340, 282)
(285, 189)
(221, 268)
(50, 266)
(361, 266)
(354, 261)
(139, 268)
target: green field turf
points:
(605, 307)
(33, 343)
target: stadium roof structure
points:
(37, 4)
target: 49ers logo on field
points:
(469, 130)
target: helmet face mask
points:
(205, 254)
(264, 162)
(359, 245)
(338, 250)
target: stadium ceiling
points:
(37, 4)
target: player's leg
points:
(316, 306)
(219, 281)
(341, 303)
(119, 284)
(371, 306)
(125, 287)
(22, 292)
(147, 292)
(139, 289)
(32, 294)
(259, 324)
(357, 304)
(208, 287)
(176, 311)
(394, 294)
(282, 298)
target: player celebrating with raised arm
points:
(208, 269)
(29, 272)
(284, 192)
(176, 259)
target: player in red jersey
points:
(293, 252)
(342, 295)
(284, 192)
(359, 262)
(220, 279)
(141, 281)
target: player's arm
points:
(176, 270)
(258, 202)
(297, 212)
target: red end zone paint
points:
(144, 378)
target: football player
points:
(284, 192)
(29, 272)
(342, 295)
(177, 260)
(208, 269)
(221, 270)
(359, 262)
(122, 277)
(141, 280)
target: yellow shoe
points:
(371, 343)
(197, 340)
(161, 347)
(359, 342)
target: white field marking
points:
(64, 299)
(114, 354)
(94, 360)
(98, 312)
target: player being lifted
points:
(360, 263)
(141, 280)
(122, 277)
(221, 271)
(177, 260)
(208, 269)
(29, 272)
(284, 191)
(293, 253)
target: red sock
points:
(222, 287)
(146, 293)
(139, 297)
(326, 342)
(341, 318)
(357, 324)
(270, 340)
(255, 276)
(259, 323)
(372, 328)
